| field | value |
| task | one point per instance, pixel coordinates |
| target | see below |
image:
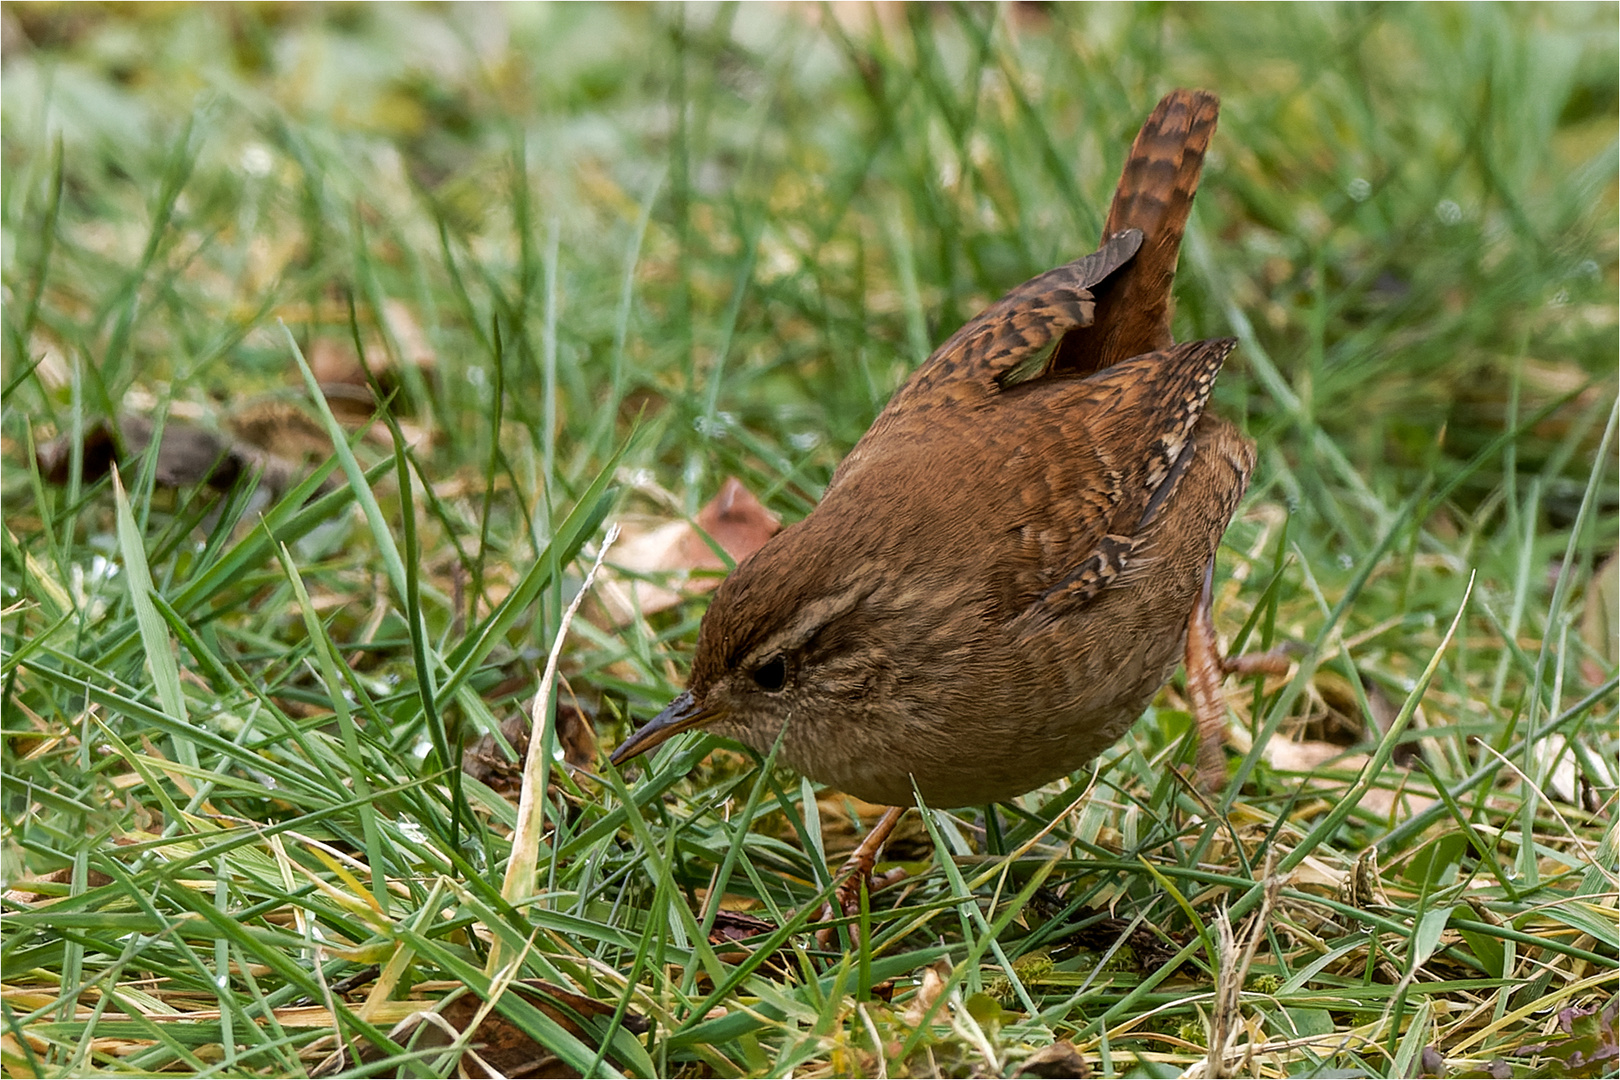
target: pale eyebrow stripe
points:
(812, 617)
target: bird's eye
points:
(772, 674)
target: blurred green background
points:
(1411, 207)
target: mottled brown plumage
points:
(1000, 575)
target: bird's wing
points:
(1113, 453)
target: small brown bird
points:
(1008, 565)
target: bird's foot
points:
(856, 875)
(1206, 667)
(1271, 662)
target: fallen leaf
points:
(737, 926)
(735, 519)
(934, 979)
(1593, 1048)
(1061, 1059)
(414, 348)
(282, 427)
(576, 736)
(731, 927)
(1313, 872)
(1148, 951)
(500, 1043)
(485, 762)
(343, 380)
(1309, 755)
(188, 454)
(1599, 627)
(21, 894)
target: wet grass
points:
(599, 259)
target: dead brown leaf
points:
(735, 519)
(1600, 621)
(188, 454)
(273, 436)
(935, 977)
(731, 927)
(21, 894)
(414, 348)
(501, 1044)
(282, 427)
(1310, 755)
(1061, 1059)
(486, 762)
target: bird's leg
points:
(856, 874)
(1206, 667)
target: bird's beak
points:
(680, 715)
